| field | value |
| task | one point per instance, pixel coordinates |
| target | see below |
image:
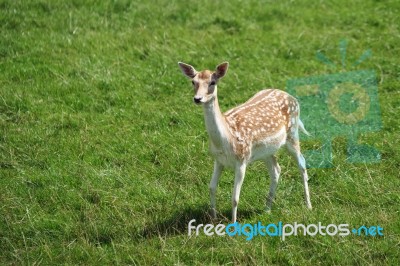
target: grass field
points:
(104, 157)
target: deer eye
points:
(212, 83)
(193, 83)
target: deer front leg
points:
(240, 171)
(213, 187)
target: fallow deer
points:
(252, 131)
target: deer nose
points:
(197, 99)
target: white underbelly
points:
(261, 152)
(268, 146)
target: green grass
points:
(104, 158)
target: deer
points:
(252, 131)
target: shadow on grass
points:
(177, 224)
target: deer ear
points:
(221, 70)
(187, 70)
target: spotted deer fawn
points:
(252, 131)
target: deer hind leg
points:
(213, 187)
(274, 171)
(293, 146)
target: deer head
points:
(204, 82)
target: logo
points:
(280, 229)
(342, 104)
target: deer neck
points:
(215, 123)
